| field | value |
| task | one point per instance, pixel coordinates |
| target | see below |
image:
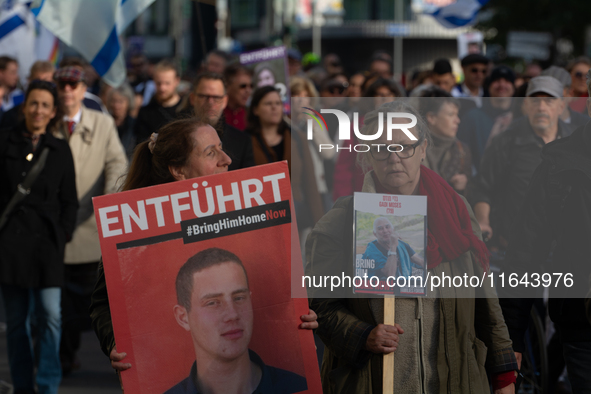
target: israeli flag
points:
(92, 28)
(459, 14)
(17, 34)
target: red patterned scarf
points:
(449, 227)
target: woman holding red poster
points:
(181, 150)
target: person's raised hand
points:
(383, 338)
(309, 321)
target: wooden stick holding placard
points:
(388, 369)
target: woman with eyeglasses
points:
(33, 234)
(183, 149)
(447, 156)
(440, 342)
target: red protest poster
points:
(199, 278)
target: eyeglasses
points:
(579, 75)
(245, 85)
(381, 153)
(478, 70)
(206, 97)
(72, 84)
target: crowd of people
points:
(486, 145)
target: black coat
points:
(555, 221)
(33, 240)
(505, 172)
(238, 145)
(152, 117)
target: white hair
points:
(381, 217)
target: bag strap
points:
(23, 189)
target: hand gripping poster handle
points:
(388, 369)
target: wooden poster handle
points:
(388, 369)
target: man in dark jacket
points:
(498, 191)
(556, 220)
(209, 100)
(164, 105)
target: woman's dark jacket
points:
(33, 239)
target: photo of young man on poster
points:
(215, 306)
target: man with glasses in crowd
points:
(239, 89)
(475, 68)
(208, 100)
(99, 160)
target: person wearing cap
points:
(91, 101)
(480, 125)
(443, 76)
(475, 68)
(498, 191)
(568, 115)
(99, 160)
(556, 214)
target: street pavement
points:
(94, 377)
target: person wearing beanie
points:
(475, 68)
(443, 76)
(480, 125)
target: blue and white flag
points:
(17, 34)
(92, 28)
(459, 14)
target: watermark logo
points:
(344, 131)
